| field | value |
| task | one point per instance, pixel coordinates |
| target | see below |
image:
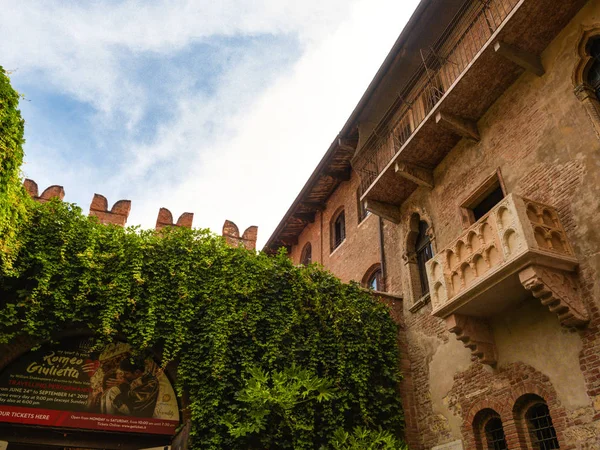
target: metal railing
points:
(442, 65)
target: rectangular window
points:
(483, 199)
(362, 211)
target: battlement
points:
(231, 233)
(165, 219)
(119, 214)
(52, 191)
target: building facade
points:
(466, 186)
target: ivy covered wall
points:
(213, 311)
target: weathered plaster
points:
(531, 334)
(448, 358)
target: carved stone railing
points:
(517, 249)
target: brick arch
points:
(521, 404)
(477, 388)
(478, 424)
(492, 403)
(23, 344)
(369, 273)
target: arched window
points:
(418, 250)
(373, 278)
(306, 256)
(494, 434)
(535, 427)
(424, 253)
(593, 73)
(586, 76)
(338, 230)
(488, 430)
(541, 430)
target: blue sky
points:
(217, 108)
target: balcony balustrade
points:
(517, 249)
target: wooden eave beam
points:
(527, 60)
(384, 210)
(340, 175)
(463, 127)
(308, 217)
(313, 206)
(289, 241)
(416, 174)
(347, 144)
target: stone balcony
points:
(516, 250)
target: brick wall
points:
(539, 135)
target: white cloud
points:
(235, 154)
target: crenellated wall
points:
(118, 214)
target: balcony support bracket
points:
(463, 127)
(384, 210)
(476, 334)
(558, 291)
(416, 174)
(528, 61)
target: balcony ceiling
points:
(531, 26)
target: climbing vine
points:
(213, 312)
(13, 199)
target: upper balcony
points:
(483, 51)
(517, 249)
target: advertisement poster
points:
(68, 385)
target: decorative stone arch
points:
(583, 91)
(21, 345)
(409, 255)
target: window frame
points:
(336, 240)
(423, 252)
(481, 192)
(361, 211)
(541, 443)
(374, 272)
(306, 249)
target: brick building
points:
(466, 185)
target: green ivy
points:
(218, 311)
(13, 199)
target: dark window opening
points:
(541, 428)
(593, 75)
(338, 230)
(424, 252)
(494, 433)
(488, 202)
(306, 257)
